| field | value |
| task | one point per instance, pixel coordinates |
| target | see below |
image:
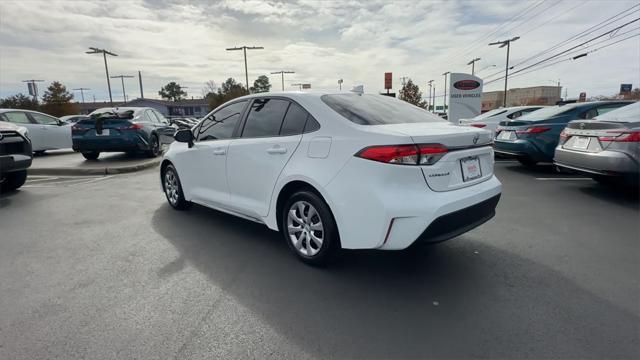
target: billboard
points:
(465, 99)
(625, 88)
(388, 80)
(306, 86)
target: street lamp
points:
(282, 72)
(124, 94)
(244, 49)
(340, 81)
(299, 84)
(430, 82)
(473, 63)
(106, 68)
(502, 44)
(444, 105)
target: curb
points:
(95, 171)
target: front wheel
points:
(154, 146)
(309, 228)
(13, 180)
(173, 189)
(91, 155)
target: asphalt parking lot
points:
(102, 267)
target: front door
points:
(55, 136)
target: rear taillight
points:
(423, 154)
(478, 125)
(533, 130)
(77, 129)
(135, 126)
(632, 136)
(564, 136)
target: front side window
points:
(265, 118)
(161, 118)
(222, 123)
(369, 109)
(17, 117)
(149, 116)
(44, 119)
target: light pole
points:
(106, 68)
(430, 82)
(444, 104)
(82, 92)
(340, 81)
(244, 49)
(502, 44)
(124, 94)
(473, 63)
(282, 72)
(300, 85)
(33, 89)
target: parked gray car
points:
(606, 147)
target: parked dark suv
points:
(15, 156)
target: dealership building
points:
(536, 95)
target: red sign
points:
(466, 84)
(388, 81)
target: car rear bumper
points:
(110, 144)
(601, 163)
(519, 148)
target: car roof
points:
(25, 110)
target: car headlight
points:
(24, 132)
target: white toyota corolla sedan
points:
(332, 171)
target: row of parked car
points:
(600, 138)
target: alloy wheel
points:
(171, 187)
(305, 228)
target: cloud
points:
(322, 41)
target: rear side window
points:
(222, 124)
(515, 115)
(17, 117)
(265, 118)
(369, 109)
(294, 121)
(605, 109)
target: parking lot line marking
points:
(564, 179)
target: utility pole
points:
(33, 89)
(140, 81)
(244, 49)
(340, 81)
(473, 67)
(106, 68)
(282, 72)
(444, 100)
(502, 44)
(124, 94)
(82, 92)
(404, 80)
(434, 98)
(430, 82)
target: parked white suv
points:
(491, 119)
(335, 171)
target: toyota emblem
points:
(476, 138)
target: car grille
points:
(11, 143)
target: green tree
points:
(172, 91)
(261, 84)
(411, 93)
(19, 101)
(56, 101)
(230, 89)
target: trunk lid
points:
(469, 159)
(96, 127)
(591, 135)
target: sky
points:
(322, 41)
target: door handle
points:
(219, 151)
(277, 150)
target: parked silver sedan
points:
(606, 147)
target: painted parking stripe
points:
(564, 179)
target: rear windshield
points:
(547, 112)
(627, 113)
(369, 109)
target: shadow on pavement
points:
(442, 301)
(619, 195)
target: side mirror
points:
(185, 136)
(60, 122)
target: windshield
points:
(490, 113)
(369, 109)
(548, 112)
(628, 113)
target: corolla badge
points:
(582, 126)
(476, 137)
(466, 84)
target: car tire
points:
(12, 181)
(173, 189)
(91, 155)
(154, 146)
(527, 161)
(309, 228)
(39, 152)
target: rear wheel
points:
(13, 180)
(173, 189)
(527, 161)
(91, 155)
(309, 228)
(154, 146)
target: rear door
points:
(271, 133)
(55, 136)
(164, 130)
